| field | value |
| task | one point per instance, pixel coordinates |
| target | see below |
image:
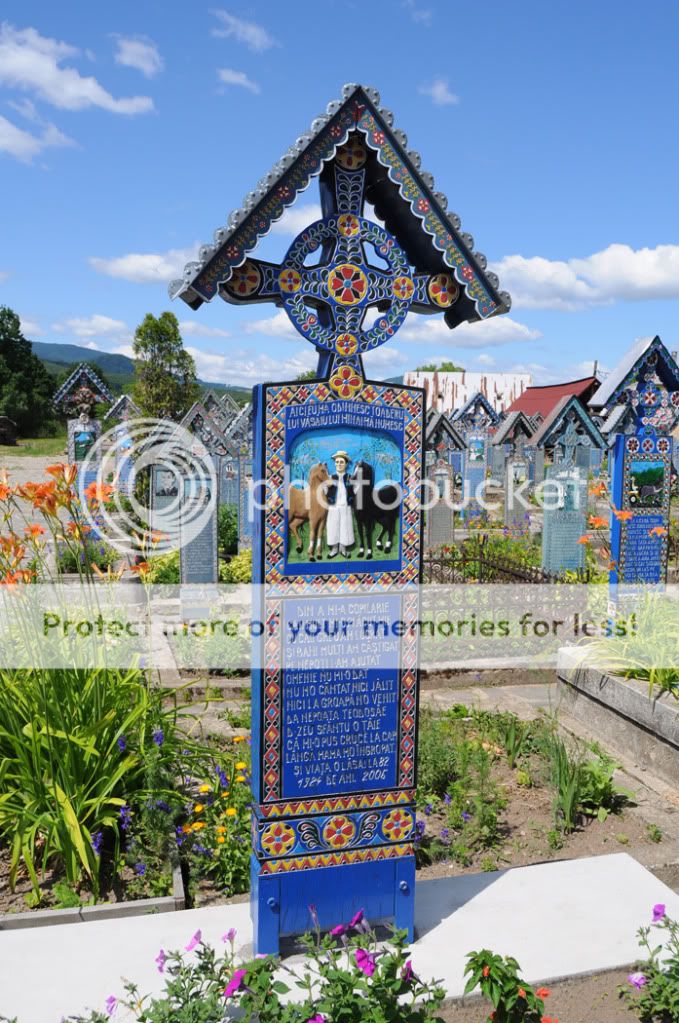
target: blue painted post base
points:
(279, 903)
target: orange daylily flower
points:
(142, 567)
(585, 539)
(597, 522)
(67, 473)
(598, 490)
(34, 530)
(5, 492)
(622, 516)
(99, 491)
(543, 992)
(657, 531)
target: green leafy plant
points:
(513, 1000)
(227, 529)
(238, 569)
(652, 991)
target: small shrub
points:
(653, 990)
(513, 1000)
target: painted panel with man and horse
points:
(345, 498)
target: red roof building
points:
(544, 399)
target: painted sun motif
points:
(347, 284)
(290, 281)
(245, 280)
(352, 155)
(278, 839)
(339, 831)
(443, 290)
(346, 344)
(348, 225)
(345, 382)
(397, 825)
(403, 288)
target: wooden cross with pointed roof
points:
(347, 282)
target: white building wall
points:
(449, 391)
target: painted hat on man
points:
(341, 454)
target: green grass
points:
(35, 447)
(378, 555)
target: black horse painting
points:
(374, 506)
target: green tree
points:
(26, 388)
(307, 374)
(445, 367)
(165, 382)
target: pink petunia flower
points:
(637, 980)
(111, 1003)
(230, 935)
(365, 961)
(161, 959)
(356, 919)
(658, 912)
(316, 1019)
(195, 940)
(338, 931)
(407, 973)
(235, 984)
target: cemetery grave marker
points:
(647, 381)
(122, 411)
(80, 392)
(567, 430)
(334, 728)
(442, 442)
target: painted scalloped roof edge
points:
(438, 419)
(198, 409)
(552, 423)
(82, 369)
(620, 378)
(182, 287)
(120, 402)
(512, 420)
(477, 397)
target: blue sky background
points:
(129, 131)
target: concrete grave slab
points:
(557, 919)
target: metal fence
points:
(464, 565)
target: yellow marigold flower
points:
(186, 829)
(231, 812)
(198, 808)
(225, 794)
(239, 738)
(198, 825)
(220, 829)
(221, 840)
(241, 765)
(240, 777)
(204, 788)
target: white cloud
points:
(29, 328)
(421, 15)
(485, 360)
(296, 218)
(244, 369)
(498, 330)
(193, 329)
(23, 145)
(146, 267)
(617, 273)
(25, 107)
(278, 325)
(439, 93)
(91, 326)
(229, 76)
(32, 62)
(254, 36)
(139, 53)
(4, 274)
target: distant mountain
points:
(70, 354)
(119, 369)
